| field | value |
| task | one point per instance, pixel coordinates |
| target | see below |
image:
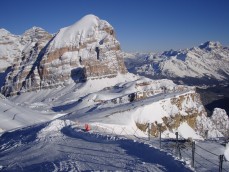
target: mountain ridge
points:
(206, 64)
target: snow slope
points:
(106, 102)
(13, 116)
(226, 153)
(56, 146)
(39, 106)
(61, 145)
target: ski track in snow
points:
(74, 150)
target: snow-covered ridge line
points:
(139, 95)
(123, 110)
(206, 64)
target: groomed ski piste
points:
(56, 146)
(54, 139)
(64, 146)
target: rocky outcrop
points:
(85, 50)
(24, 71)
(221, 121)
(188, 109)
(215, 126)
(181, 109)
(10, 49)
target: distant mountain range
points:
(207, 64)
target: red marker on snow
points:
(87, 127)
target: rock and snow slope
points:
(14, 47)
(20, 53)
(221, 121)
(10, 49)
(207, 64)
(87, 49)
(126, 101)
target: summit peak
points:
(4, 32)
(78, 32)
(210, 45)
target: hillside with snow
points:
(206, 64)
(127, 101)
(14, 116)
(56, 146)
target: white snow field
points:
(61, 145)
(13, 116)
(55, 146)
(226, 153)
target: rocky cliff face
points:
(32, 41)
(85, 50)
(81, 51)
(174, 112)
(221, 121)
(186, 110)
(10, 49)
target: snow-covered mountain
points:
(207, 64)
(19, 53)
(87, 49)
(14, 47)
(10, 49)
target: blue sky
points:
(141, 25)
